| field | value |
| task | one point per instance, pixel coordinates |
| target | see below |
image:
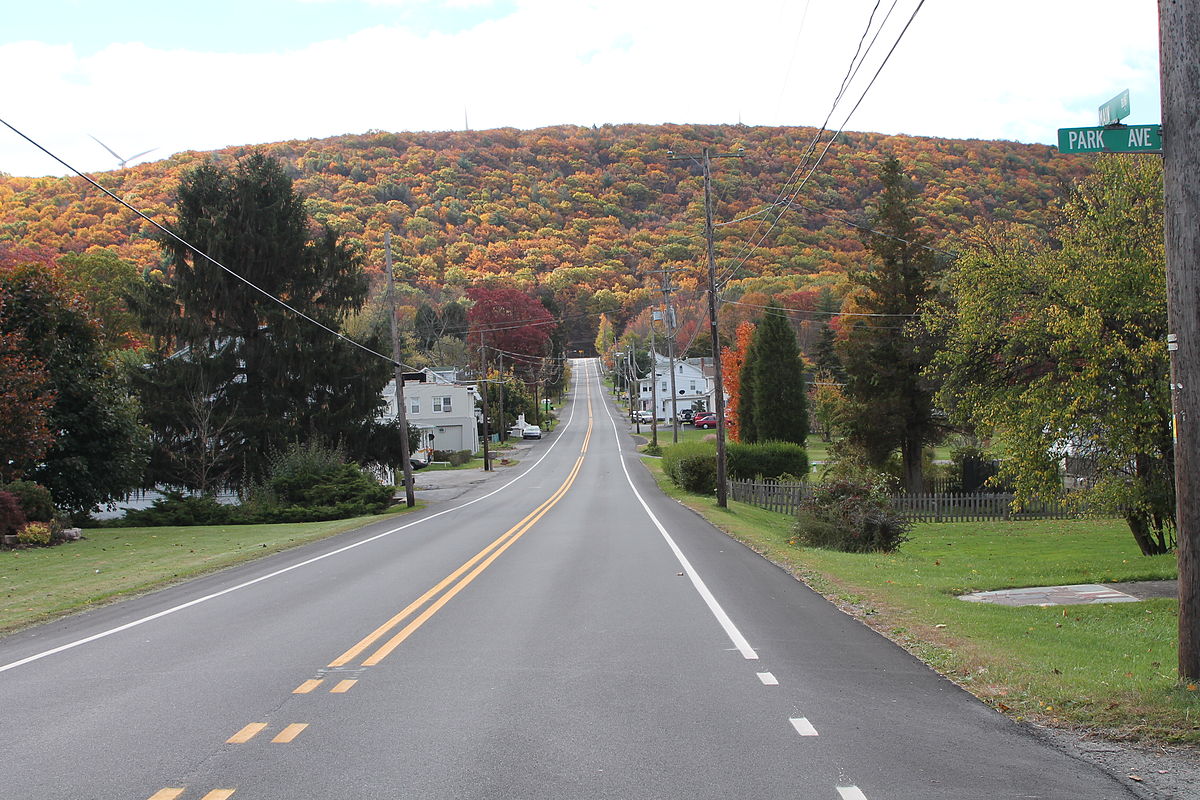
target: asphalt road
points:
(568, 633)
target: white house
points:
(444, 411)
(693, 383)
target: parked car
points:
(686, 415)
(704, 419)
(644, 417)
(531, 432)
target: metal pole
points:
(401, 411)
(1179, 48)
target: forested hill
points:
(582, 212)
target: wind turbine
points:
(122, 162)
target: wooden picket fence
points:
(785, 498)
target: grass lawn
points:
(40, 583)
(1109, 666)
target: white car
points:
(531, 432)
(643, 417)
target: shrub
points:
(652, 450)
(38, 533)
(854, 516)
(315, 479)
(176, 508)
(765, 460)
(34, 498)
(12, 518)
(692, 466)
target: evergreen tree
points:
(747, 422)
(454, 320)
(235, 369)
(891, 404)
(777, 382)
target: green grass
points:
(1108, 666)
(37, 584)
(474, 463)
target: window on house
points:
(414, 405)
(441, 404)
(664, 386)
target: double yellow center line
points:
(463, 575)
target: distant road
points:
(572, 634)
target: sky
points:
(184, 75)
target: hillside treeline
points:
(582, 214)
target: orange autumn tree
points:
(732, 360)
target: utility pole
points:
(502, 428)
(669, 321)
(631, 373)
(1179, 48)
(705, 160)
(653, 385)
(401, 411)
(483, 394)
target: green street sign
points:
(1115, 110)
(1111, 139)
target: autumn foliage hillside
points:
(583, 213)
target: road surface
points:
(566, 632)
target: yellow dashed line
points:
(289, 733)
(166, 794)
(219, 794)
(308, 686)
(247, 733)
(343, 686)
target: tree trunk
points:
(910, 453)
(1140, 527)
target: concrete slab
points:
(1078, 594)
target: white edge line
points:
(731, 630)
(768, 679)
(168, 611)
(851, 793)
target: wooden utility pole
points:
(719, 390)
(1179, 49)
(483, 393)
(653, 385)
(401, 412)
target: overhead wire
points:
(197, 251)
(729, 272)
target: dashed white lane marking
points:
(803, 727)
(851, 793)
(768, 679)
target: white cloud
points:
(965, 69)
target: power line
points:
(204, 255)
(732, 270)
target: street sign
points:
(1111, 139)
(1115, 110)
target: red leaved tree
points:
(732, 360)
(509, 322)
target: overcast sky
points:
(184, 75)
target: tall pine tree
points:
(891, 404)
(238, 377)
(777, 385)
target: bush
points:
(178, 509)
(692, 466)
(853, 516)
(12, 518)
(313, 482)
(34, 498)
(766, 460)
(652, 450)
(38, 533)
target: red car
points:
(704, 419)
